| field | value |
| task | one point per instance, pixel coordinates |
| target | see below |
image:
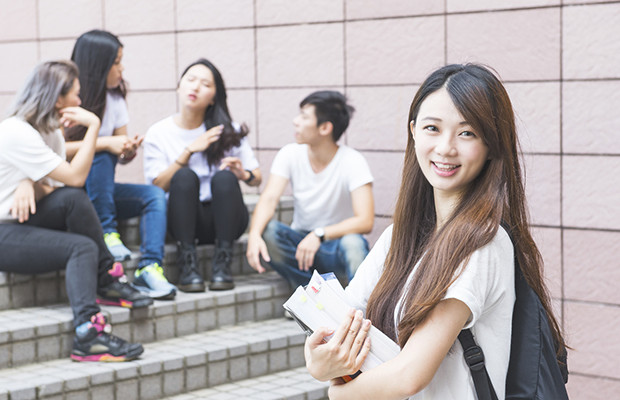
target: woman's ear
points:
(412, 128)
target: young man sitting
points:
(333, 200)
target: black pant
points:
(64, 233)
(225, 217)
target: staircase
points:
(214, 345)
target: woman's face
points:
(72, 98)
(450, 153)
(197, 88)
(115, 75)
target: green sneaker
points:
(116, 246)
(151, 281)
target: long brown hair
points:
(496, 195)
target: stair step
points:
(168, 367)
(36, 334)
(295, 384)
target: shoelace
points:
(113, 239)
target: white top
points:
(325, 198)
(164, 142)
(115, 115)
(26, 153)
(486, 286)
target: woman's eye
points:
(431, 128)
(468, 134)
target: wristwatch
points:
(320, 233)
(250, 178)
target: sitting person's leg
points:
(148, 202)
(30, 249)
(352, 250)
(69, 209)
(100, 189)
(183, 211)
(230, 219)
(282, 241)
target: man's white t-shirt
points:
(486, 286)
(26, 153)
(164, 142)
(115, 115)
(325, 198)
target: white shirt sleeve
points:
(281, 164)
(370, 270)
(246, 155)
(482, 282)
(359, 173)
(29, 153)
(155, 156)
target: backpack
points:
(536, 369)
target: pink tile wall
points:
(378, 52)
(560, 59)
(380, 119)
(591, 41)
(501, 40)
(210, 14)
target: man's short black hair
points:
(330, 106)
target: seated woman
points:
(98, 54)
(47, 226)
(198, 156)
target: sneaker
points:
(116, 247)
(120, 293)
(93, 342)
(151, 281)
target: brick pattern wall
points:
(560, 61)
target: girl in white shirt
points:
(446, 264)
(47, 226)
(99, 54)
(199, 156)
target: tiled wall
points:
(560, 61)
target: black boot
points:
(189, 278)
(221, 278)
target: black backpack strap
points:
(474, 357)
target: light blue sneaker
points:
(151, 281)
(115, 245)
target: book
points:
(324, 303)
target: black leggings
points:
(63, 233)
(225, 217)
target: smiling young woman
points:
(446, 264)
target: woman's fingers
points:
(353, 330)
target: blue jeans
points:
(114, 201)
(341, 256)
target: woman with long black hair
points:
(198, 156)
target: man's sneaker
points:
(116, 246)
(121, 293)
(151, 281)
(93, 342)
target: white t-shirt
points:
(325, 198)
(164, 142)
(486, 286)
(26, 153)
(115, 115)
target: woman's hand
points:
(24, 202)
(72, 116)
(234, 165)
(203, 141)
(344, 353)
(130, 149)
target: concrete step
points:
(167, 367)
(296, 384)
(18, 291)
(34, 334)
